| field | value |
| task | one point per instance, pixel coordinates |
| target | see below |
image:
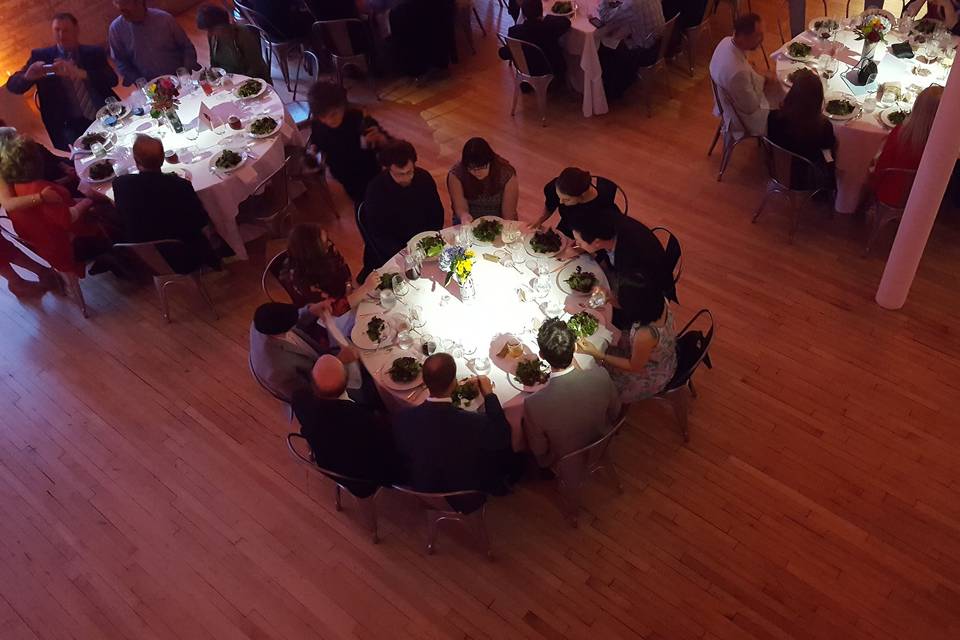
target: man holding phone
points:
(72, 81)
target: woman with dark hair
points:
(576, 193)
(800, 126)
(648, 361)
(233, 48)
(482, 184)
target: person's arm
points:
(743, 92)
(80, 208)
(640, 351)
(551, 202)
(187, 50)
(12, 203)
(537, 441)
(23, 80)
(435, 211)
(458, 200)
(123, 57)
(497, 435)
(511, 196)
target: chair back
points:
(272, 195)
(441, 500)
(671, 247)
(268, 31)
(271, 273)
(307, 458)
(620, 199)
(340, 38)
(584, 461)
(720, 98)
(790, 170)
(693, 347)
(904, 176)
(148, 254)
(666, 37)
(526, 55)
(276, 394)
(365, 234)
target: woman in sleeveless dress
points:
(482, 184)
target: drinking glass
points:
(481, 366)
(387, 299)
(412, 261)
(185, 80)
(534, 265)
(869, 104)
(511, 233)
(552, 308)
(541, 287)
(415, 314)
(98, 150)
(400, 286)
(469, 348)
(192, 133)
(428, 345)
(452, 347)
(219, 126)
(597, 299)
(464, 236)
(113, 105)
(404, 340)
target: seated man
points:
(576, 407)
(740, 87)
(345, 437)
(146, 43)
(545, 32)
(152, 205)
(401, 202)
(576, 194)
(285, 342)
(635, 25)
(444, 448)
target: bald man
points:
(152, 205)
(346, 437)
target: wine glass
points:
(415, 313)
(541, 287)
(413, 261)
(192, 133)
(469, 348)
(404, 340)
(534, 265)
(400, 286)
(481, 366)
(113, 106)
(387, 299)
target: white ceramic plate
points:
(522, 387)
(810, 57)
(274, 132)
(474, 405)
(478, 241)
(506, 363)
(180, 171)
(412, 245)
(794, 66)
(812, 25)
(86, 172)
(536, 254)
(886, 113)
(399, 386)
(213, 162)
(841, 96)
(263, 87)
(110, 140)
(363, 341)
(573, 10)
(586, 265)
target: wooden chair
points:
(438, 509)
(790, 175)
(522, 53)
(646, 73)
(367, 505)
(689, 359)
(880, 214)
(729, 141)
(573, 469)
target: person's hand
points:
(35, 71)
(49, 195)
(584, 346)
(347, 355)
(66, 69)
(320, 309)
(486, 387)
(374, 137)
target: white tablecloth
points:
(221, 196)
(495, 310)
(583, 69)
(859, 140)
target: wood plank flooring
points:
(146, 492)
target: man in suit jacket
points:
(576, 407)
(544, 32)
(71, 93)
(152, 205)
(444, 448)
(345, 437)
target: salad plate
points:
(372, 332)
(402, 373)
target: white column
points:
(934, 172)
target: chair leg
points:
(693, 390)
(679, 403)
(541, 95)
(612, 472)
(476, 15)
(369, 508)
(516, 96)
(763, 203)
(162, 294)
(202, 290)
(728, 146)
(337, 498)
(568, 503)
(75, 292)
(716, 137)
(690, 41)
(480, 524)
(433, 524)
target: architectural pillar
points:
(936, 166)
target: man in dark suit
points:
(444, 448)
(72, 81)
(544, 32)
(345, 437)
(152, 205)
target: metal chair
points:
(645, 73)
(691, 36)
(367, 505)
(729, 141)
(671, 247)
(573, 469)
(272, 273)
(791, 175)
(274, 43)
(276, 394)
(376, 251)
(339, 38)
(149, 256)
(521, 53)
(621, 196)
(466, 10)
(687, 364)
(880, 214)
(438, 509)
(269, 206)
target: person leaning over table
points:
(71, 93)
(741, 88)
(401, 202)
(146, 43)
(649, 360)
(945, 11)
(576, 194)
(636, 26)
(233, 48)
(576, 407)
(482, 184)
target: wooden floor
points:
(146, 492)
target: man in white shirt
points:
(740, 87)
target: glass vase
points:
(468, 289)
(173, 120)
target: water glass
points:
(428, 345)
(404, 340)
(481, 366)
(192, 133)
(113, 105)
(869, 104)
(464, 236)
(534, 265)
(452, 347)
(387, 299)
(552, 308)
(469, 348)
(541, 287)
(415, 314)
(400, 286)
(598, 298)
(98, 150)
(511, 233)
(185, 79)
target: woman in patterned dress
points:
(482, 184)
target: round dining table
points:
(505, 305)
(220, 192)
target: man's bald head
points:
(148, 153)
(440, 374)
(329, 377)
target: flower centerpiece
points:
(872, 30)
(163, 95)
(457, 263)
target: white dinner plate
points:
(474, 405)
(213, 161)
(537, 254)
(794, 66)
(810, 57)
(812, 25)
(363, 341)
(478, 241)
(178, 171)
(274, 132)
(841, 96)
(573, 10)
(86, 172)
(415, 240)
(886, 113)
(399, 386)
(522, 387)
(110, 140)
(506, 363)
(263, 87)
(586, 265)
(127, 111)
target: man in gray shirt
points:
(146, 43)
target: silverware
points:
(417, 390)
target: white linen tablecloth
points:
(859, 140)
(495, 310)
(220, 195)
(583, 69)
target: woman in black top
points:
(576, 193)
(800, 126)
(347, 138)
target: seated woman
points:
(347, 138)
(58, 233)
(233, 48)
(314, 270)
(647, 365)
(482, 184)
(903, 148)
(800, 126)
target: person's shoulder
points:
(116, 24)
(424, 175)
(160, 14)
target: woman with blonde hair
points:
(903, 148)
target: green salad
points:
(799, 49)
(404, 370)
(840, 107)
(582, 281)
(375, 328)
(386, 280)
(546, 241)
(228, 159)
(263, 126)
(465, 393)
(487, 230)
(583, 324)
(100, 170)
(827, 24)
(531, 373)
(897, 117)
(249, 88)
(431, 246)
